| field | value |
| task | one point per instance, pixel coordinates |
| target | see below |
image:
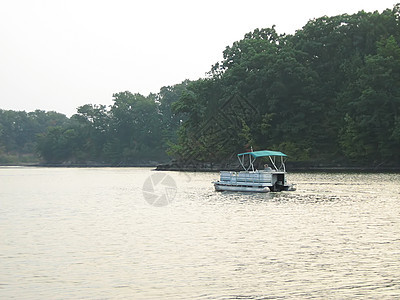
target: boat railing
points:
(256, 177)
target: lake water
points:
(133, 233)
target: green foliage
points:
(135, 129)
(18, 131)
(327, 92)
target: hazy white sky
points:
(58, 55)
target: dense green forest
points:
(328, 93)
(134, 130)
(19, 131)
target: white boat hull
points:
(235, 188)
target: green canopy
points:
(263, 153)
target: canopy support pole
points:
(273, 163)
(242, 163)
(252, 162)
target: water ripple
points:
(89, 233)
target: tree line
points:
(19, 131)
(329, 93)
(135, 129)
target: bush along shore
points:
(150, 164)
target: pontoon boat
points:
(271, 178)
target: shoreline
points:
(290, 167)
(213, 168)
(41, 165)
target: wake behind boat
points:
(272, 178)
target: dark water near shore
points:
(132, 233)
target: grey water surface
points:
(133, 233)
